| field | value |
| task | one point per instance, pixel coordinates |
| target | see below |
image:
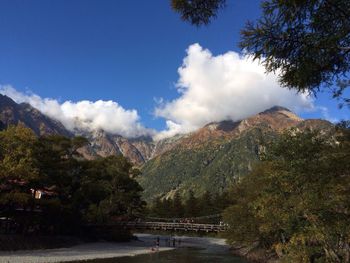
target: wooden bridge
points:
(166, 226)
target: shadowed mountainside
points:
(12, 113)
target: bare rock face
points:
(136, 155)
(137, 150)
(144, 145)
(102, 144)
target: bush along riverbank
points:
(254, 253)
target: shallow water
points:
(181, 255)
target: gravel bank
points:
(108, 250)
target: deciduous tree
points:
(296, 201)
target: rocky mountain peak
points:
(278, 110)
(274, 109)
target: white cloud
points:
(227, 86)
(211, 88)
(84, 115)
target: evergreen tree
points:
(198, 12)
(221, 201)
(177, 206)
(156, 207)
(191, 205)
(206, 204)
(108, 190)
(306, 42)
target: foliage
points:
(190, 206)
(73, 191)
(17, 156)
(177, 206)
(197, 12)
(213, 166)
(306, 42)
(17, 163)
(296, 202)
(107, 190)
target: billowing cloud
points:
(211, 88)
(228, 86)
(84, 115)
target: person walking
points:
(157, 243)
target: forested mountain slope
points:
(212, 158)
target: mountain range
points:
(209, 159)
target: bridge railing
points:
(176, 226)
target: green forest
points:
(295, 203)
(47, 188)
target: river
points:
(190, 250)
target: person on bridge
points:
(169, 241)
(157, 243)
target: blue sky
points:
(125, 51)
